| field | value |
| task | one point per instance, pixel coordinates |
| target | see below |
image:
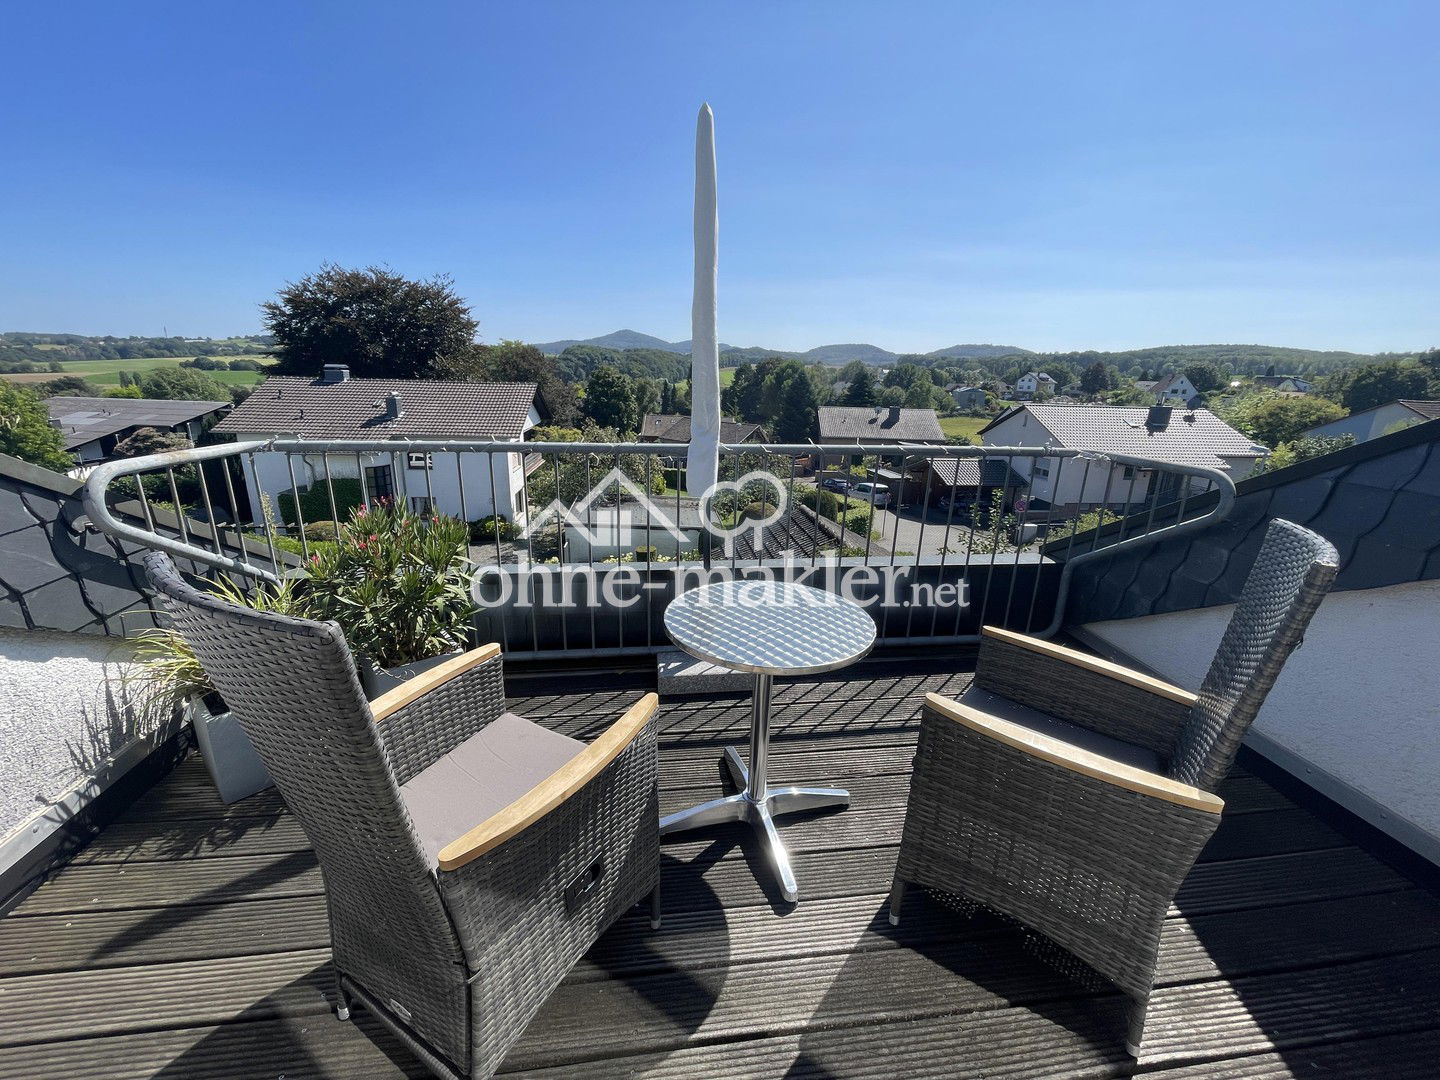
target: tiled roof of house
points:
(1107, 429)
(968, 472)
(880, 424)
(357, 409)
(1167, 382)
(85, 419)
(673, 428)
(1428, 409)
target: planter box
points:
(234, 765)
(378, 680)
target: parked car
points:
(835, 483)
(878, 494)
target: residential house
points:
(1381, 420)
(389, 411)
(968, 480)
(1287, 384)
(1035, 384)
(1076, 485)
(1175, 390)
(92, 426)
(968, 398)
(673, 428)
(842, 425)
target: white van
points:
(863, 492)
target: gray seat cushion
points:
(1114, 749)
(481, 776)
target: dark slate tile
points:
(60, 605)
(43, 506)
(1301, 501)
(14, 516)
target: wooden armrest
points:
(553, 790)
(394, 700)
(1074, 758)
(1092, 663)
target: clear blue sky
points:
(1052, 175)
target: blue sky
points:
(1052, 175)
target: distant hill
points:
(620, 339)
(970, 352)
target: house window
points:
(1128, 472)
(1041, 469)
(379, 482)
(422, 504)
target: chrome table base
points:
(758, 803)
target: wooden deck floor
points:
(189, 940)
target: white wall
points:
(410, 483)
(1070, 483)
(1355, 713)
(64, 707)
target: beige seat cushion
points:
(481, 776)
(1114, 749)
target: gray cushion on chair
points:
(481, 776)
(1045, 724)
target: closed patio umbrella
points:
(704, 457)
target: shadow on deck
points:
(189, 939)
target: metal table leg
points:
(757, 802)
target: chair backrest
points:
(1291, 575)
(293, 687)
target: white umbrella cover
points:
(704, 459)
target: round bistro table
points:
(769, 628)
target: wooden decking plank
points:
(153, 935)
(1071, 1038)
(1410, 1056)
(72, 1004)
(296, 1048)
(150, 841)
(110, 886)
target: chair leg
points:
(342, 999)
(897, 897)
(1136, 1021)
(655, 907)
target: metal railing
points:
(1003, 526)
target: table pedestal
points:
(757, 802)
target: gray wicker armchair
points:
(470, 857)
(1073, 795)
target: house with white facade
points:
(1370, 424)
(1034, 384)
(1076, 485)
(1175, 390)
(388, 412)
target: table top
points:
(773, 627)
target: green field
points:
(968, 426)
(107, 372)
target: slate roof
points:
(880, 424)
(85, 419)
(673, 428)
(356, 409)
(1109, 429)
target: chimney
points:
(393, 408)
(1158, 418)
(893, 418)
(335, 373)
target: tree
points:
(149, 440)
(515, 361)
(122, 392)
(861, 391)
(610, 400)
(1095, 379)
(797, 419)
(183, 384)
(1204, 377)
(1370, 385)
(377, 322)
(1311, 446)
(647, 397)
(26, 431)
(1273, 419)
(69, 386)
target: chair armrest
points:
(428, 716)
(553, 791)
(1074, 759)
(1085, 690)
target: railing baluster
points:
(209, 507)
(299, 510)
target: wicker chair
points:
(470, 857)
(1072, 795)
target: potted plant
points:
(170, 668)
(399, 586)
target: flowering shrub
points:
(396, 582)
